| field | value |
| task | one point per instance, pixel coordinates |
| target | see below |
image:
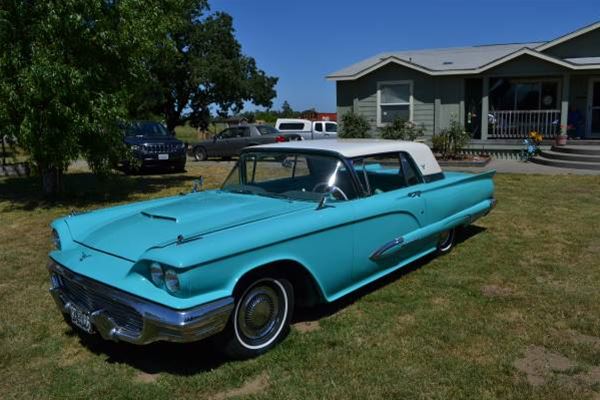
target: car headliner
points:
(351, 148)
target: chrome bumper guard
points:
(119, 316)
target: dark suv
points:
(152, 145)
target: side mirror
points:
(323, 202)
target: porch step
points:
(566, 164)
(565, 156)
(592, 150)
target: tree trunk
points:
(52, 182)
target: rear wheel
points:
(446, 241)
(261, 317)
(200, 154)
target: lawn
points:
(512, 312)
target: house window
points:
(516, 94)
(394, 101)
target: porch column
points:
(564, 104)
(437, 108)
(485, 107)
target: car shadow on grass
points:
(191, 358)
(86, 189)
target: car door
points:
(221, 142)
(393, 207)
(240, 140)
(330, 129)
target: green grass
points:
(525, 277)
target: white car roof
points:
(351, 148)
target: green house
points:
(499, 93)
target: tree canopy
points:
(203, 70)
(70, 70)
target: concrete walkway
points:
(520, 167)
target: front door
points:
(593, 115)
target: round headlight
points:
(157, 274)
(56, 240)
(171, 281)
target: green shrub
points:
(401, 129)
(354, 125)
(449, 143)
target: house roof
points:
(467, 60)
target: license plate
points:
(163, 156)
(81, 319)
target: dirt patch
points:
(496, 291)
(253, 386)
(144, 377)
(592, 377)
(307, 326)
(539, 364)
(580, 338)
(406, 319)
(440, 301)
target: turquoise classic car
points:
(294, 224)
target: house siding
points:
(361, 95)
(586, 45)
(526, 66)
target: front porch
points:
(512, 107)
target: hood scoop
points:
(158, 216)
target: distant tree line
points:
(270, 116)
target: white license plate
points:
(81, 319)
(163, 156)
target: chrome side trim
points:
(381, 252)
(159, 322)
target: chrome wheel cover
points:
(260, 314)
(445, 240)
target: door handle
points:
(415, 194)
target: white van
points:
(307, 129)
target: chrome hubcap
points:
(445, 240)
(260, 313)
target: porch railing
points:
(516, 124)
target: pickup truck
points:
(309, 130)
(231, 141)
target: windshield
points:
(146, 129)
(290, 175)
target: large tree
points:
(204, 70)
(66, 68)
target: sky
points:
(302, 41)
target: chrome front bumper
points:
(119, 316)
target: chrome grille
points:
(91, 299)
(161, 148)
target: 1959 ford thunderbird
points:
(294, 223)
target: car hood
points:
(131, 234)
(140, 140)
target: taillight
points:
(280, 139)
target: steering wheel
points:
(334, 189)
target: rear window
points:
(267, 130)
(291, 126)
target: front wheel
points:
(261, 318)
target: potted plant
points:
(561, 138)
